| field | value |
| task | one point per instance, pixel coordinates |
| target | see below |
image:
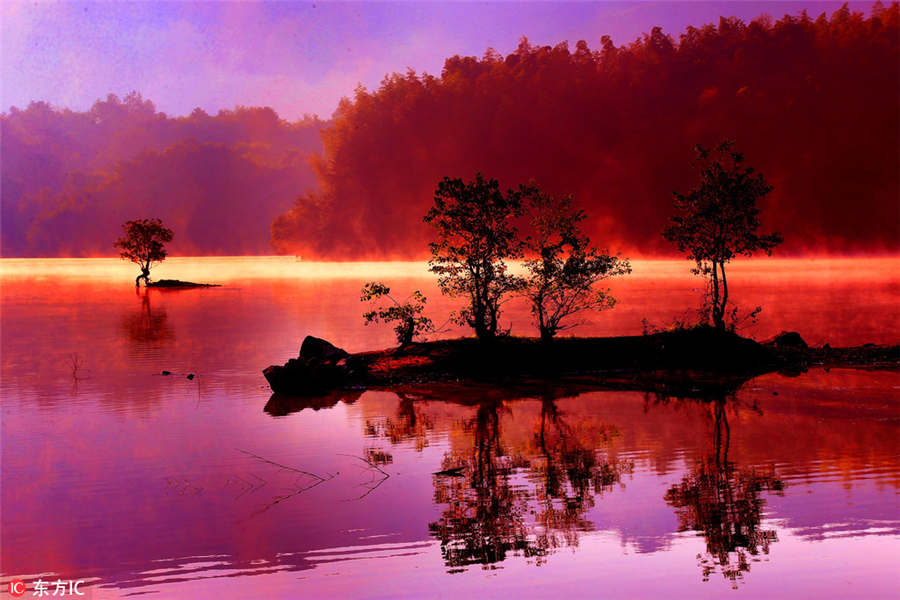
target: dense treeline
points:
(811, 100)
(69, 179)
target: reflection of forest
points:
(722, 502)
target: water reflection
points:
(523, 472)
(501, 498)
(722, 502)
(281, 405)
(525, 501)
(570, 471)
(409, 424)
(140, 484)
(485, 514)
(606, 472)
(147, 327)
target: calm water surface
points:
(143, 484)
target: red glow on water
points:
(139, 481)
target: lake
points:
(144, 484)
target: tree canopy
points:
(476, 235)
(407, 314)
(562, 266)
(719, 219)
(144, 244)
(614, 125)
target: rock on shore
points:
(321, 366)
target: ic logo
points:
(16, 587)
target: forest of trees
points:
(69, 179)
(811, 100)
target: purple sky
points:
(296, 57)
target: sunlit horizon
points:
(231, 268)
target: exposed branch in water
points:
(272, 462)
(371, 466)
(247, 486)
(294, 492)
(368, 462)
(75, 363)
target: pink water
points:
(140, 483)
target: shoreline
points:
(178, 284)
(690, 362)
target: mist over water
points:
(211, 487)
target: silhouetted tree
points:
(407, 315)
(476, 235)
(144, 244)
(564, 268)
(718, 220)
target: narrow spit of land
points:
(696, 361)
(177, 283)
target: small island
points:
(144, 243)
(479, 229)
(177, 283)
(703, 361)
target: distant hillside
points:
(812, 101)
(69, 179)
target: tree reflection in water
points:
(507, 497)
(525, 503)
(723, 502)
(147, 327)
(409, 424)
(485, 515)
(570, 474)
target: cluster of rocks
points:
(321, 366)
